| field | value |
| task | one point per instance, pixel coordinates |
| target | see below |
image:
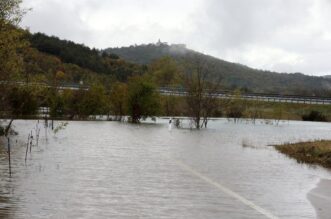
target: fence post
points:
(9, 156)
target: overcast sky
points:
(278, 35)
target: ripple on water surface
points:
(114, 170)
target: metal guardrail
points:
(219, 94)
(255, 96)
(61, 86)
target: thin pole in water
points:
(9, 156)
(37, 133)
(46, 125)
(31, 137)
(27, 148)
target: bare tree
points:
(210, 103)
(201, 87)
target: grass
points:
(258, 109)
(315, 152)
(286, 111)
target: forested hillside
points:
(43, 67)
(80, 62)
(234, 75)
(87, 59)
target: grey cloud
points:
(295, 27)
(57, 19)
(236, 23)
(280, 35)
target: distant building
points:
(159, 43)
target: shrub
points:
(314, 116)
(2, 131)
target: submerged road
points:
(226, 190)
(117, 170)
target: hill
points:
(83, 63)
(234, 75)
(81, 56)
(42, 67)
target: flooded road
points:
(118, 170)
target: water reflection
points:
(116, 170)
(6, 204)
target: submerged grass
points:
(314, 152)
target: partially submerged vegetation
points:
(33, 75)
(314, 116)
(314, 152)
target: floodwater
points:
(118, 170)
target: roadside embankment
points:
(315, 152)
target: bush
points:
(235, 111)
(143, 100)
(314, 116)
(23, 101)
(2, 131)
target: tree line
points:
(80, 55)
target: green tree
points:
(78, 104)
(143, 100)
(94, 101)
(23, 101)
(56, 105)
(166, 73)
(84, 57)
(73, 101)
(11, 39)
(118, 99)
(11, 43)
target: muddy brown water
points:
(118, 170)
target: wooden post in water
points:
(9, 156)
(27, 148)
(31, 137)
(37, 133)
(46, 126)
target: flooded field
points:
(118, 170)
